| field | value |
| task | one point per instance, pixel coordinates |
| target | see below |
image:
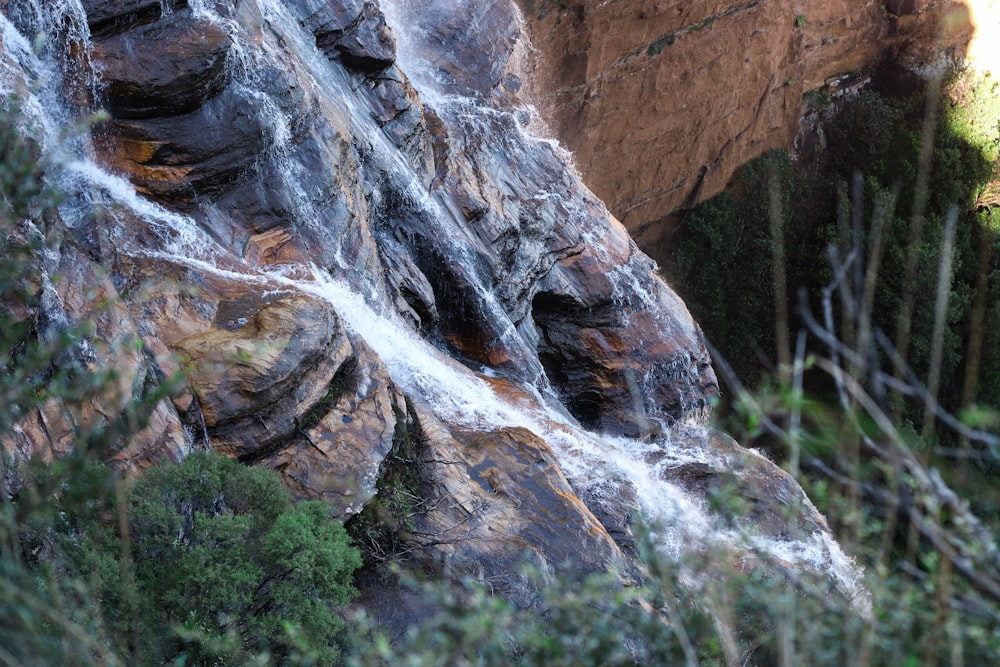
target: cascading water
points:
(514, 202)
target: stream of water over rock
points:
(458, 252)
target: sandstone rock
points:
(367, 45)
(167, 68)
(255, 362)
(414, 295)
(82, 294)
(328, 20)
(499, 497)
(274, 246)
(468, 44)
(256, 347)
(178, 158)
(660, 102)
(614, 377)
(625, 359)
(108, 16)
(274, 378)
(563, 271)
(338, 459)
(397, 109)
(745, 486)
(351, 31)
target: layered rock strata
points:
(660, 101)
(357, 284)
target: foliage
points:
(560, 621)
(932, 564)
(202, 562)
(219, 568)
(219, 549)
(895, 213)
(702, 611)
(723, 263)
(43, 363)
(27, 354)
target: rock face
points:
(661, 100)
(359, 282)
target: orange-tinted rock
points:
(274, 246)
(177, 158)
(497, 497)
(257, 362)
(338, 458)
(661, 100)
(80, 294)
(257, 351)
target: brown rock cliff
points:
(361, 281)
(661, 100)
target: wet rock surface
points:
(108, 16)
(343, 267)
(767, 496)
(499, 499)
(171, 66)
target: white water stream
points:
(456, 393)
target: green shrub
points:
(219, 550)
(219, 567)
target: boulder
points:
(745, 488)
(351, 31)
(338, 450)
(257, 363)
(166, 68)
(367, 45)
(495, 499)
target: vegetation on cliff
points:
(876, 175)
(203, 562)
(870, 321)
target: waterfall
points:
(421, 365)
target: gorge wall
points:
(661, 101)
(329, 215)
